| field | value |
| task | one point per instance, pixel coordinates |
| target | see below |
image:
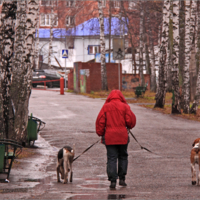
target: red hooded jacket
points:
(114, 118)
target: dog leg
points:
(193, 174)
(62, 172)
(65, 169)
(71, 173)
(58, 171)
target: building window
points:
(49, 2)
(70, 3)
(70, 21)
(45, 20)
(116, 4)
(103, 3)
(131, 5)
(93, 49)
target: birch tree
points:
(102, 44)
(170, 50)
(175, 59)
(7, 32)
(141, 43)
(181, 47)
(152, 61)
(161, 90)
(18, 87)
(195, 104)
(51, 37)
(189, 31)
(37, 41)
(24, 67)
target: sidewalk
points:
(29, 173)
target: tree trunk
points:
(195, 104)
(189, 31)
(7, 31)
(141, 45)
(19, 80)
(51, 38)
(181, 48)
(37, 41)
(153, 74)
(170, 49)
(175, 56)
(28, 60)
(161, 90)
(102, 43)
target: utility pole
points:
(109, 30)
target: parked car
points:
(52, 78)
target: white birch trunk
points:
(18, 86)
(7, 31)
(37, 41)
(175, 58)
(29, 55)
(189, 31)
(152, 61)
(194, 107)
(102, 43)
(141, 43)
(161, 89)
(181, 47)
(170, 49)
(51, 38)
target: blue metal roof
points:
(88, 28)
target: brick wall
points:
(130, 81)
(70, 80)
(93, 81)
(93, 78)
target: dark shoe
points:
(113, 185)
(122, 183)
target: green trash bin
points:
(32, 130)
(2, 154)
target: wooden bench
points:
(9, 149)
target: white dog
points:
(195, 159)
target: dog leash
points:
(86, 150)
(139, 143)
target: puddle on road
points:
(43, 180)
(13, 190)
(97, 196)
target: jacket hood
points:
(115, 94)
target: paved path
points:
(70, 118)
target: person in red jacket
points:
(112, 123)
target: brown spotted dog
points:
(195, 159)
(64, 163)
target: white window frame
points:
(70, 21)
(117, 3)
(103, 3)
(45, 20)
(49, 2)
(93, 49)
(131, 5)
(70, 3)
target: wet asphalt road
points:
(70, 119)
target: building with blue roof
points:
(81, 41)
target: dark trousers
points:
(117, 153)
